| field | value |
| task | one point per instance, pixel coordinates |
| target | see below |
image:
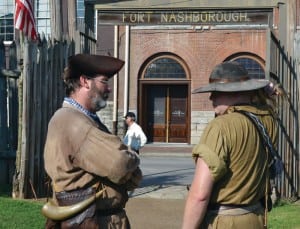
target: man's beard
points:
(98, 102)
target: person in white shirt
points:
(134, 138)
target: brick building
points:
(170, 49)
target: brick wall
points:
(106, 116)
(200, 51)
(199, 120)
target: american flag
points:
(24, 19)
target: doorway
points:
(165, 112)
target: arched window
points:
(165, 67)
(254, 69)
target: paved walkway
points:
(159, 206)
(160, 192)
(161, 149)
(152, 213)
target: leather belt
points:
(234, 209)
(107, 212)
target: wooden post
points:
(20, 176)
(17, 176)
(72, 15)
(56, 19)
(59, 10)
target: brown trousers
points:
(253, 220)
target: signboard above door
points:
(185, 17)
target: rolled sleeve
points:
(212, 149)
(216, 166)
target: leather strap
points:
(275, 164)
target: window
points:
(80, 15)
(165, 68)
(7, 20)
(43, 23)
(42, 17)
(254, 69)
(80, 9)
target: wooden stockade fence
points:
(8, 112)
(42, 93)
(30, 80)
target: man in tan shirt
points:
(231, 176)
(81, 155)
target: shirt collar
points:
(81, 108)
(258, 110)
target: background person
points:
(81, 156)
(231, 175)
(135, 137)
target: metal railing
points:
(282, 69)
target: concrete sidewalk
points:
(157, 207)
(164, 149)
(151, 213)
(160, 192)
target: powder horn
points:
(55, 212)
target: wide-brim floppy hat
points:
(231, 76)
(92, 65)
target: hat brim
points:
(92, 65)
(248, 85)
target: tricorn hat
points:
(231, 77)
(92, 65)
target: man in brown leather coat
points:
(82, 156)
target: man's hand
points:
(134, 180)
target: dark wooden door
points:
(166, 112)
(177, 112)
